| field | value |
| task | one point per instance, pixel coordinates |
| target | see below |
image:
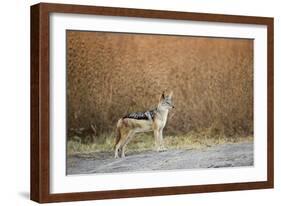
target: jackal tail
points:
(118, 131)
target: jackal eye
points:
(168, 103)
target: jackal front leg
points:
(156, 138)
(162, 147)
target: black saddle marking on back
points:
(141, 115)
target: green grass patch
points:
(145, 141)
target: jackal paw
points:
(161, 149)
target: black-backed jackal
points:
(151, 120)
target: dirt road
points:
(227, 155)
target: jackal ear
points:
(171, 94)
(162, 96)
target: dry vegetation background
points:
(112, 74)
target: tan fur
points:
(128, 127)
(118, 131)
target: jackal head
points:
(165, 102)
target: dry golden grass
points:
(145, 141)
(110, 75)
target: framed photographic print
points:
(132, 102)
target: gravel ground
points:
(227, 155)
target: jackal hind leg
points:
(119, 144)
(128, 139)
(116, 154)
